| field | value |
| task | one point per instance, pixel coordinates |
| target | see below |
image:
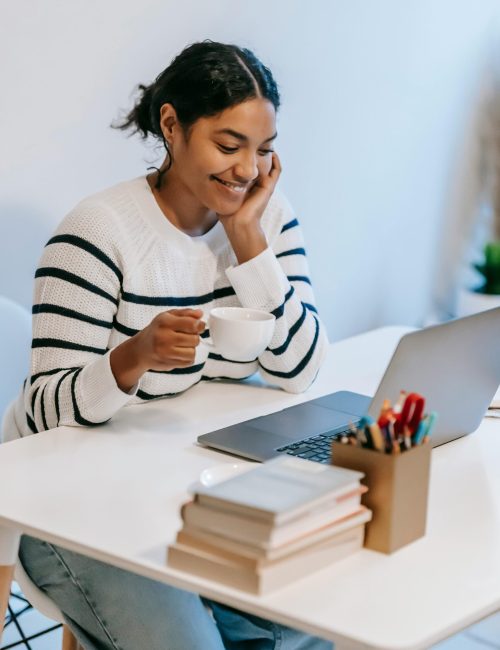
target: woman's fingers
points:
(176, 322)
(183, 340)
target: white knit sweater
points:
(113, 264)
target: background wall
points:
(377, 134)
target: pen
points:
(376, 436)
(398, 406)
(431, 421)
(419, 434)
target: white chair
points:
(15, 344)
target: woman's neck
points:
(179, 205)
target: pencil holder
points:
(398, 486)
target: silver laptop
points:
(455, 366)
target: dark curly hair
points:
(201, 81)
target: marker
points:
(432, 417)
(377, 437)
(418, 436)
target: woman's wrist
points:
(247, 242)
(125, 364)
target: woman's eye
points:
(227, 149)
(264, 152)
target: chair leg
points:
(69, 641)
(6, 576)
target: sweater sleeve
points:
(77, 287)
(278, 281)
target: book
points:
(280, 489)
(266, 533)
(199, 538)
(260, 578)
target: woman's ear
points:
(168, 121)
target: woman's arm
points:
(277, 280)
(77, 288)
(75, 379)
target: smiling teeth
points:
(236, 188)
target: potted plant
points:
(487, 294)
(483, 290)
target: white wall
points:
(377, 129)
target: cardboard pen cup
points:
(398, 486)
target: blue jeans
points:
(111, 609)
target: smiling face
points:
(222, 156)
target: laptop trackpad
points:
(301, 421)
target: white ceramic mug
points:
(238, 333)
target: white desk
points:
(114, 493)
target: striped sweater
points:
(113, 264)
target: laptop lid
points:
(454, 365)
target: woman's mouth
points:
(233, 188)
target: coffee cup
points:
(239, 333)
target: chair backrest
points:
(15, 344)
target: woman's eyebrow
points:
(240, 136)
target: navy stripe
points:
(205, 334)
(79, 419)
(90, 248)
(69, 313)
(186, 301)
(219, 357)
(33, 398)
(53, 272)
(222, 378)
(147, 396)
(42, 408)
(290, 224)
(310, 307)
(58, 414)
(123, 329)
(31, 424)
(298, 278)
(302, 364)
(65, 345)
(292, 251)
(279, 310)
(54, 371)
(189, 370)
(293, 330)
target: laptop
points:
(454, 365)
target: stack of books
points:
(275, 523)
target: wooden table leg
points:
(6, 575)
(9, 546)
(69, 642)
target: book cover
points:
(205, 540)
(266, 533)
(279, 489)
(264, 579)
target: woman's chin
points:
(227, 208)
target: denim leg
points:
(241, 631)
(111, 609)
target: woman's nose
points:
(246, 168)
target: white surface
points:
(378, 131)
(9, 545)
(495, 403)
(115, 491)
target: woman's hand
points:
(168, 342)
(243, 226)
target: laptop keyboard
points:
(317, 448)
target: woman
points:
(118, 314)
